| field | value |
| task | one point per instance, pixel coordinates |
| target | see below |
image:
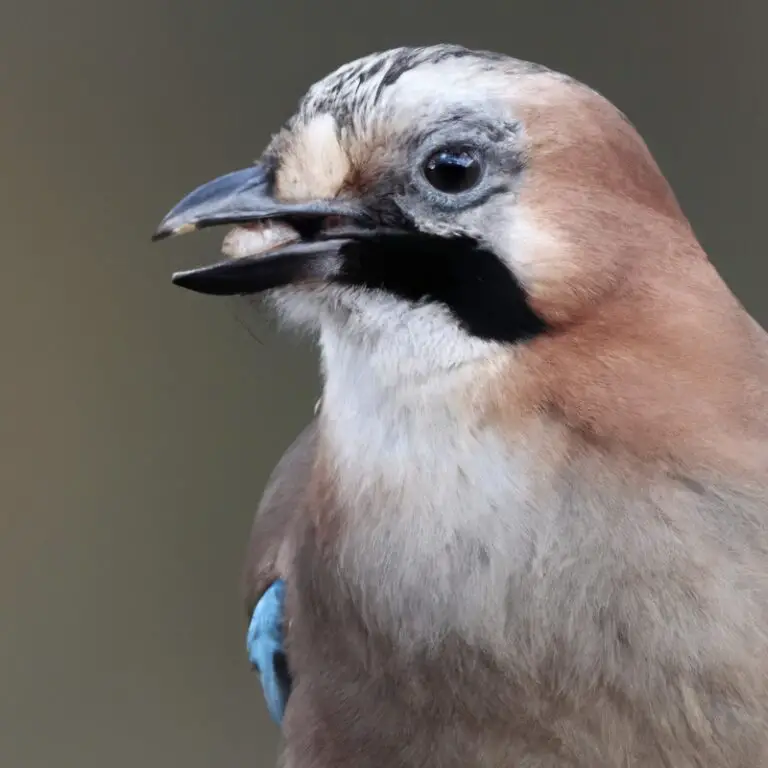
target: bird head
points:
(459, 203)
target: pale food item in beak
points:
(258, 238)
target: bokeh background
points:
(139, 422)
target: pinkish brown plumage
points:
(528, 526)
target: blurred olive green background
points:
(139, 422)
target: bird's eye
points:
(453, 170)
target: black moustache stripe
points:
(472, 283)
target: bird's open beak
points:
(244, 198)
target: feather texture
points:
(546, 553)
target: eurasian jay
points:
(528, 524)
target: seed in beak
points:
(257, 238)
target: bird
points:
(527, 525)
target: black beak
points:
(245, 196)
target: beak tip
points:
(166, 230)
(182, 279)
(202, 280)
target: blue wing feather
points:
(264, 643)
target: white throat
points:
(426, 485)
(413, 372)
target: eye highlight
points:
(453, 169)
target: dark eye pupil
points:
(453, 171)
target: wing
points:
(264, 643)
(269, 547)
